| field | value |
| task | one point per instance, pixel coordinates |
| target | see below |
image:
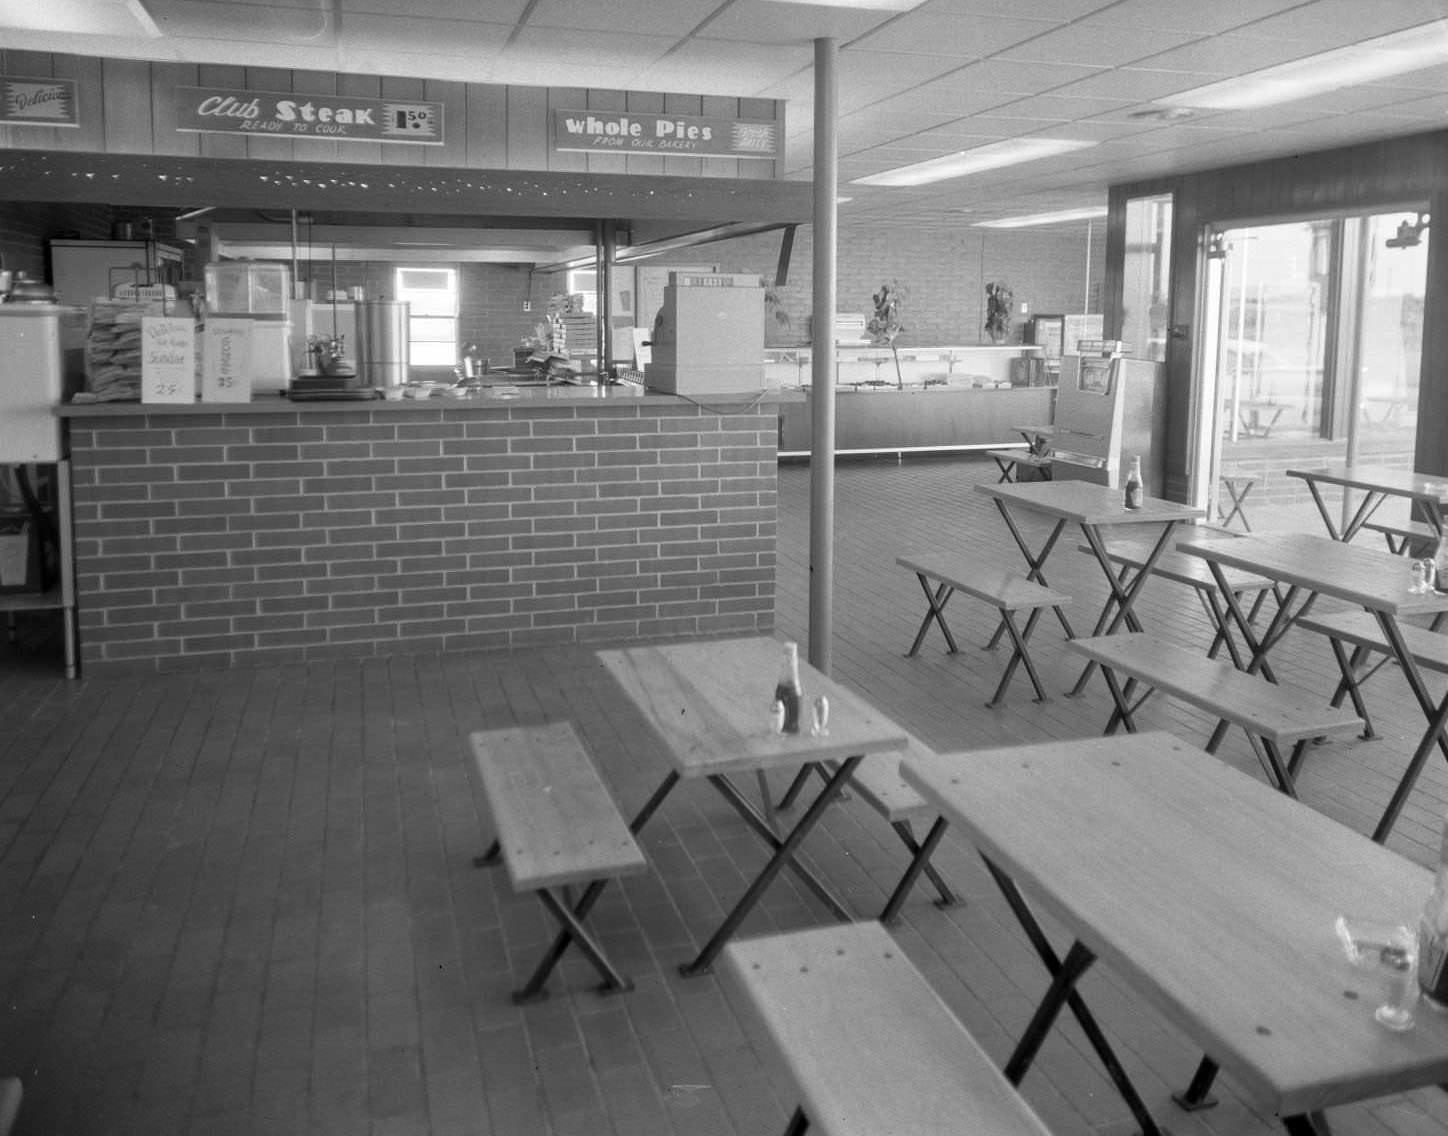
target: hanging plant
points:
(999, 301)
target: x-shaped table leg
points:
(1034, 561)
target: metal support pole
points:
(822, 366)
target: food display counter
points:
(943, 398)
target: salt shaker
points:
(1418, 573)
(821, 724)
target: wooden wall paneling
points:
(222, 145)
(34, 65)
(400, 87)
(683, 104)
(126, 92)
(609, 101)
(165, 138)
(527, 128)
(279, 80)
(7, 133)
(762, 108)
(651, 102)
(722, 167)
(90, 135)
(564, 98)
(454, 98)
(316, 149)
(487, 126)
(363, 87)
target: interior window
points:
(432, 315)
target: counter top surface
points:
(495, 398)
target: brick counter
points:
(209, 536)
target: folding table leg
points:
(574, 931)
(937, 600)
(1077, 960)
(1195, 1098)
(798, 1124)
(919, 862)
(1019, 654)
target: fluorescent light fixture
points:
(990, 157)
(880, 5)
(1412, 49)
(1089, 213)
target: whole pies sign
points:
(37, 102)
(336, 118)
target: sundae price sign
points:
(37, 102)
(634, 132)
(337, 118)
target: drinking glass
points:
(1391, 949)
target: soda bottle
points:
(1134, 489)
(787, 691)
(1433, 934)
(1440, 565)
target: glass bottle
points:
(1440, 564)
(1433, 934)
(787, 691)
(1134, 491)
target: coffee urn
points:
(382, 344)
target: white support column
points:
(822, 368)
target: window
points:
(584, 282)
(432, 315)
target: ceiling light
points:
(1410, 50)
(1089, 213)
(990, 157)
(881, 5)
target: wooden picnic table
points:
(1377, 483)
(1211, 896)
(1094, 508)
(709, 701)
(1307, 566)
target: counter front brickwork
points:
(223, 538)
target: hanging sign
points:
(37, 102)
(168, 359)
(337, 118)
(617, 132)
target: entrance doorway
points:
(1309, 358)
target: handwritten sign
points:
(168, 359)
(226, 361)
(637, 132)
(37, 102)
(338, 118)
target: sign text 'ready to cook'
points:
(337, 118)
(635, 132)
(37, 102)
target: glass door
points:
(1315, 328)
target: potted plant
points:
(885, 326)
(999, 301)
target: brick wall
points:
(212, 539)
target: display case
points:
(83, 271)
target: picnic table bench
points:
(868, 1045)
(557, 825)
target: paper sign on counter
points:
(226, 361)
(168, 359)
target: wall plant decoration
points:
(885, 326)
(999, 301)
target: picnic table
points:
(1307, 566)
(1211, 896)
(1094, 508)
(1377, 484)
(708, 701)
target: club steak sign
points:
(37, 102)
(634, 133)
(220, 110)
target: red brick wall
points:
(302, 533)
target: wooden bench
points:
(868, 1045)
(1272, 715)
(1429, 649)
(1008, 592)
(1007, 462)
(556, 826)
(1196, 574)
(878, 783)
(1401, 536)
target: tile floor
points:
(243, 902)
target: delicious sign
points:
(337, 118)
(610, 132)
(37, 102)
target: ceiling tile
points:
(1057, 11)
(758, 21)
(444, 37)
(676, 18)
(1107, 46)
(565, 48)
(714, 67)
(1331, 23)
(1227, 55)
(1188, 15)
(1016, 78)
(927, 31)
